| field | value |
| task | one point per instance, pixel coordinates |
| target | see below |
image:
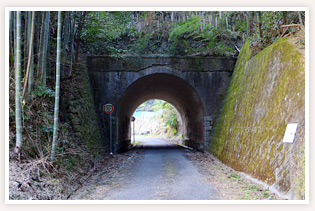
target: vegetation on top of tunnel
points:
(183, 32)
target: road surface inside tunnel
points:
(162, 173)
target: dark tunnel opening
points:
(168, 88)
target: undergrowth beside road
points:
(228, 183)
(31, 174)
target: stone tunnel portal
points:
(171, 89)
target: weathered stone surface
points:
(266, 93)
(79, 109)
(183, 64)
(196, 86)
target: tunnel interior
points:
(169, 88)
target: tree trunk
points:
(72, 43)
(284, 17)
(80, 25)
(40, 50)
(56, 110)
(250, 29)
(18, 121)
(65, 42)
(259, 31)
(29, 74)
(25, 39)
(227, 22)
(36, 38)
(14, 36)
(11, 31)
(44, 48)
(301, 21)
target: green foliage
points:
(299, 178)
(204, 36)
(128, 32)
(144, 43)
(222, 49)
(169, 116)
(43, 91)
(187, 30)
(270, 26)
(103, 31)
(172, 122)
(253, 192)
(167, 112)
(235, 176)
(47, 128)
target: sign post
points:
(134, 130)
(108, 109)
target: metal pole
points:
(133, 129)
(110, 133)
(134, 132)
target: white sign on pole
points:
(289, 134)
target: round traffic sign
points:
(108, 108)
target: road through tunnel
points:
(168, 88)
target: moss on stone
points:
(265, 94)
(82, 115)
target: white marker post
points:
(289, 134)
(108, 109)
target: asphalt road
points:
(163, 173)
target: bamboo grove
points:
(40, 41)
(32, 49)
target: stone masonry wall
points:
(266, 93)
(111, 77)
(77, 104)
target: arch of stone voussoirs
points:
(166, 87)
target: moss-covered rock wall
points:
(77, 106)
(266, 93)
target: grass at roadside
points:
(228, 183)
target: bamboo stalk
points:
(29, 54)
(40, 49)
(18, 121)
(56, 110)
(44, 48)
(11, 27)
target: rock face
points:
(266, 93)
(77, 105)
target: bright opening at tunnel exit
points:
(159, 119)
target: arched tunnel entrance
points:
(168, 88)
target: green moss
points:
(265, 94)
(299, 178)
(221, 130)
